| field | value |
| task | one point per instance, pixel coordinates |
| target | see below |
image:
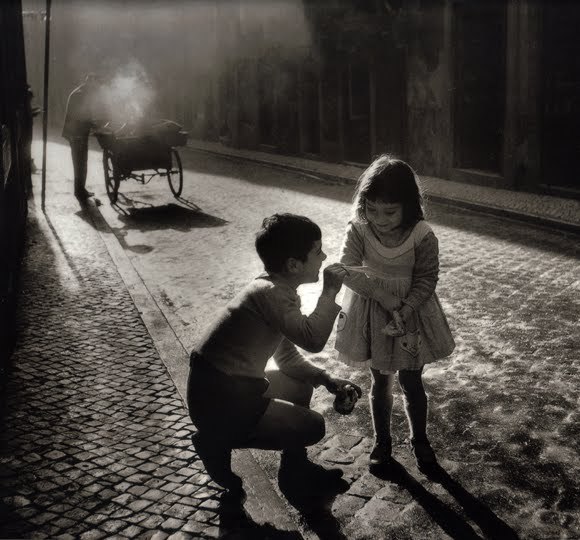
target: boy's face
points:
(310, 268)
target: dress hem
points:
(369, 364)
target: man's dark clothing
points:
(77, 126)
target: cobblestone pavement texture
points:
(503, 415)
(565, 211)
(95, 439)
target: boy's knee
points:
(315, 429)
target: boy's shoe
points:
(424, 455)
(381, 453)
(217, 462)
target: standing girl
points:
(392, 320)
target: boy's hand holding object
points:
(333, 276)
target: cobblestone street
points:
(97, 440)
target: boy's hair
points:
(389, 180)
(285, 236)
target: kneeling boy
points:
(233, 401)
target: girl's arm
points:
(351, 254)
(425, 274)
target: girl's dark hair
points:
(283, 236)
(389, 180)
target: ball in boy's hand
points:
(345, 399)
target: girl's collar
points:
(403, 237)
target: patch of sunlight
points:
(309, 295)
(558, 453)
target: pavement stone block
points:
(132, 531)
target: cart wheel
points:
(175, 174)
(111, 179)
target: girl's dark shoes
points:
(424, 455)
(381, 453)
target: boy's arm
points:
(292, 363)
(281, 308)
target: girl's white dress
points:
(409, 271)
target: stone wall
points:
(429, 88)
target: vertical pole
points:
(45, 100)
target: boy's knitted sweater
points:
(265, 320)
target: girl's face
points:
(384, 217)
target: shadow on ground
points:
(314, 503)
(235, 523)
(453, 523)
(137, 214)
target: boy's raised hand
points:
(333, 276)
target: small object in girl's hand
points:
(345, 399)
(366, 270)
(396, 327)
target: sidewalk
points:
(95, 438)
(544, 210)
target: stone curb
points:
(439, 198)
(263, 503)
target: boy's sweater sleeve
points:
(291, 362)
(351, 254)
(425, 271)
(310, 332)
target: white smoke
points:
(127, 96)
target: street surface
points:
(503, 408)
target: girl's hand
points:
(396, 327)
(388, 301)
(406, 313)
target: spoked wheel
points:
(111, 179)
(175, 174)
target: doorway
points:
(480, 85)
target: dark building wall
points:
(15, 137)
(429, 89)
(463, 90)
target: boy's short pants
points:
(224, 407)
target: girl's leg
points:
(415, 399)
(381, 405)
(416, 407)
